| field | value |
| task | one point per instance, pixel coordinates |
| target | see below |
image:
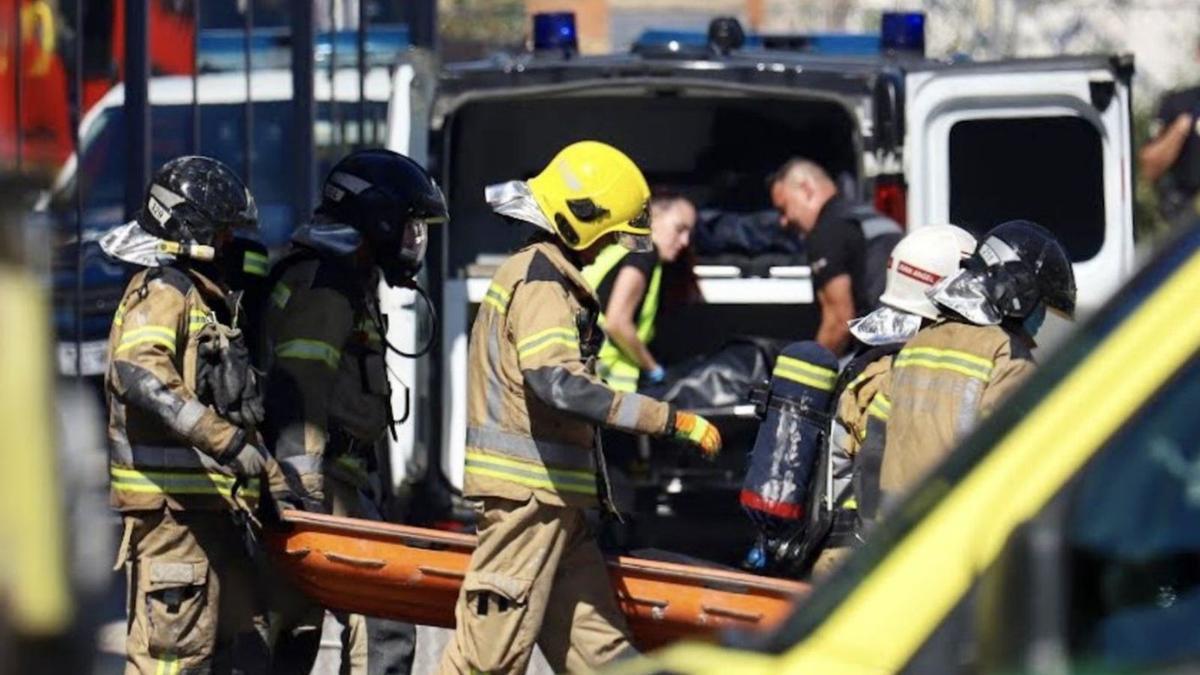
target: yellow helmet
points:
(590, 189)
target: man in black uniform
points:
(847, 268)
(1171, 159)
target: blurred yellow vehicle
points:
(1062, 536)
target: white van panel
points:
(937, 100)
(455, 335)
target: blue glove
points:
(655, 375)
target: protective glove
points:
(655, 375)
(695, 430)
(249, 462)
(285, 494)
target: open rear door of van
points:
(408, 323)
(1047, 140)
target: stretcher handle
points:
(372, 563)
(442, 572)
(751, 617)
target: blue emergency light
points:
(903, 32)
(555, 31)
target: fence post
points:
(303, 107)
(137, 102)
(248, 105)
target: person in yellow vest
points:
(533, 408)
(627, 284)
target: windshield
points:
(893, 530)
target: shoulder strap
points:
(859, 363)
(172, 276)
(330, 274)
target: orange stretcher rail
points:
(414, 574)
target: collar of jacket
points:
(1017, 335)
(559, 258)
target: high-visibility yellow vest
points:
(618, 369)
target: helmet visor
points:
(634, 234)
(414, 243)
(637, 243)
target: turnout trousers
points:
(194, 604)
(536, 577)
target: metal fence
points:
(64, 57)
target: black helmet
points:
(193, 199)
(1025, 264)
(389, 199)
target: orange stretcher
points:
(414, 574)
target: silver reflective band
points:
(188, 417)
(627, 411)
(303, 464)
(558, 455)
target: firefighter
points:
(534, 405)
(186, 464)
(956, 371)
(845, 512)
(328, 395)
(627, 285)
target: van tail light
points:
(891, 198)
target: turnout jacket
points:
(944, 380)
(328, 398)
(534, 401)
(166, 445)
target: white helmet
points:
(921, 259)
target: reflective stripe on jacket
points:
(533, 400)
(945, 379)
(165, 445)
(620, 370)
(328, 398)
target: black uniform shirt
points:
(641, 260)
(836, 246)
(1185, 172)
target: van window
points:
(718, 149)
(1133, 537)
(1046, 169)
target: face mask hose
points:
(433, 331)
